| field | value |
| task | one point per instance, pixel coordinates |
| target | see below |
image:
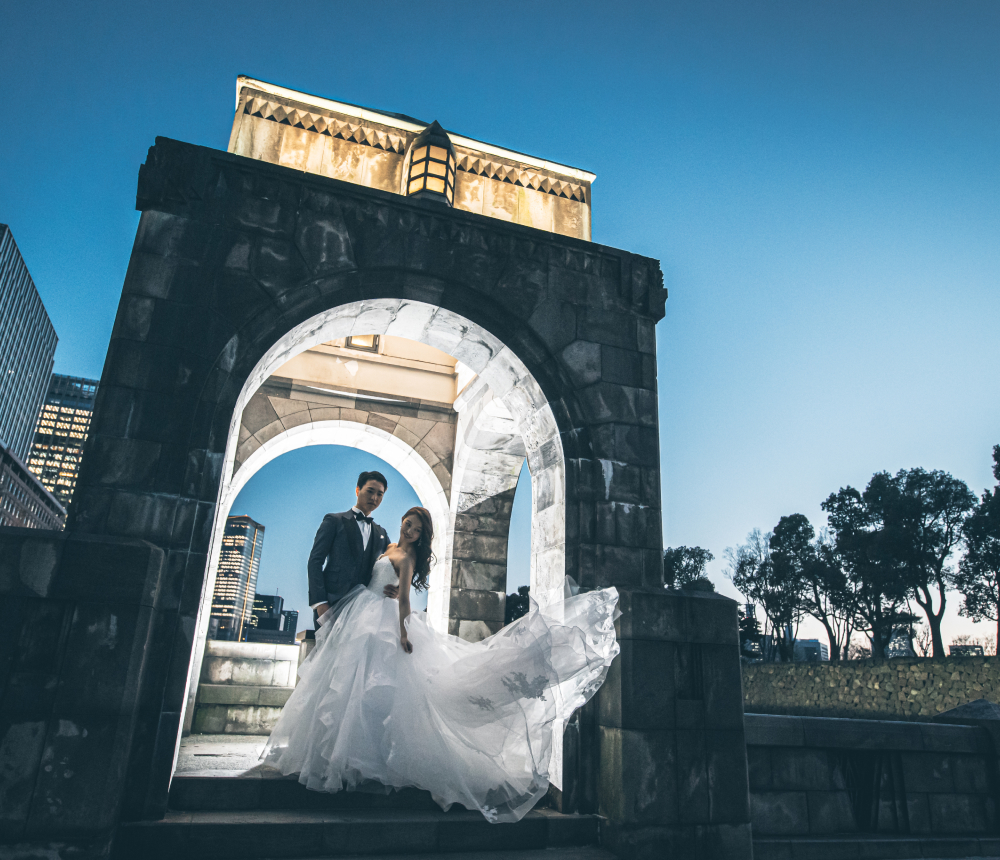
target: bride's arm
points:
(405, 575)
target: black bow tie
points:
(360, 517)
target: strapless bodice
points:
(383, 574)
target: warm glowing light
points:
(432, 165)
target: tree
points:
(978, 575)
(933, 507)
(684, 567)
(516, 605)
(867, 541)
(798, 555)
(774, 589)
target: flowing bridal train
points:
(470, 722)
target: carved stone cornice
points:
(273, 108)
(346, 128)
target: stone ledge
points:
(253, 650)
(838, 733)
(233, 694)
(874, 848)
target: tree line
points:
(907, 540)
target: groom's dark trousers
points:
(339, 560)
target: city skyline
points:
(822, 198)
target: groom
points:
(347, 546)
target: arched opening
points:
(499, 418)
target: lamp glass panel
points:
(366, 341)
(415, 185)
(439, 152)
(435, 168)
(420, 153)
(418, 167)
(435, 184)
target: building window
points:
(364, 342)
(432, 166)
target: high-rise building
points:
(236, 579)
(269, 622)
(62, 429)
(24, 502)
(27, 346)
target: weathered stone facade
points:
(368, 148)
(904, 688)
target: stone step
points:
(220, 794)
(579, 852)
(259, 834)
(876, 847)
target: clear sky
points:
(820, 181)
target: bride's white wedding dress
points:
(470, 722)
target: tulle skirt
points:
(471, 722)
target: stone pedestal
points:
(78, 647)
(673, 772)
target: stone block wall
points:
(79, 664)
(898, 689)
(819, 777)
(673, 779)
(244, 686)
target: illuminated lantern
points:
(432, 166)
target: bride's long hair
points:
(422, 548)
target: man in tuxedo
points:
(347, 546)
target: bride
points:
(385, 701)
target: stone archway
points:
(236, 261)
(501, 377)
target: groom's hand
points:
(320, 609)
(391, 591)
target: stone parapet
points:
(813, 777)
(78, 650)
(898, 689)
(673, 779)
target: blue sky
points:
(819, 180)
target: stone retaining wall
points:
(898, 689)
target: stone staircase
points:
(248, 818)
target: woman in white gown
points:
(384, 701)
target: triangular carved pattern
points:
(524, 178)
(330, 126)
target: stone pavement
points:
(221, 755)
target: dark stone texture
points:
(76, 660)
(779, 813)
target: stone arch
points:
(231, 255)
(503, 417)
(500, 372)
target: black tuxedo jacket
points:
(338, 560)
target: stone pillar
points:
(673, 772)
(80, 687)
(489, 453)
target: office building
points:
(27, 346)
(236, 579)
(811, 651)
(24, 502)
(269, 622)
(62, 429)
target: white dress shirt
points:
(366, 533)
(366, 528)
